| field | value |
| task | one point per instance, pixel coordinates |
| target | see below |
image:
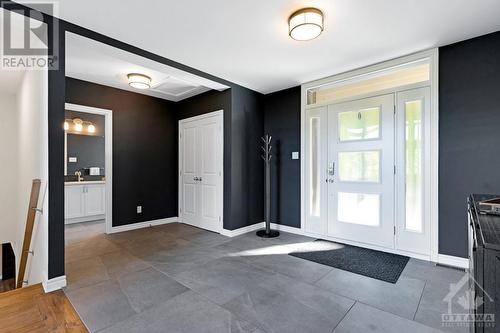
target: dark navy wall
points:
(243, 169)
(469, 133)
(205, 103)
(282, 122)
(89, 152)
(247, 169)
(144, 150)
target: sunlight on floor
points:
(314, 246)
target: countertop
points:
(86, 182)
(489, 225)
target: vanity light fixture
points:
(305, 24)
(78, 124)
(139, 81)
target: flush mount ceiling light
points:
(139, 81)
(305, 24)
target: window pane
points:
(413, 135)
(359, 166)
(400, 75)
(359, 125)
(314, 166)
(358, 208)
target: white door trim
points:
(431, 159)
(108, 158)
(221, 178)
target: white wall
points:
(32, 102)
(24, 157)
(8, 167)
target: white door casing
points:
(201, 171)
(361, 183)
(430, 152)
(108, 163)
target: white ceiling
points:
(246, 42)
(96, 62)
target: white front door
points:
(360, 171)
(200, 164)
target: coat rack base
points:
(271, 234)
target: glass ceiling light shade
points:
(305, 24)
(139, 81)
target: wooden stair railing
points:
(28, 233)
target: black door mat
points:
(375, 264)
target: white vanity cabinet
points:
(84, 201)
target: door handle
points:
(200, 179)
(331, 169)
(196, 179)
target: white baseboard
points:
(260, 225)
(54, 284)
(241, 231)
(453, 261)
(286, 228)
(141, 225)
(84, 219)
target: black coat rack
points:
(267, 232)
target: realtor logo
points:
(462, 301)
(27, 42)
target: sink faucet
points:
(79, 175)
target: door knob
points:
(196, 179)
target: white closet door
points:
(201, 191)
(413, 142)
(361, 179)
(189, 200)
(210, 172)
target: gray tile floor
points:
(176, 278)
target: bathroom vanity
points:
(84, 201)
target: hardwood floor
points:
(31, 310)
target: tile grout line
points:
(343, 317)
(420, 300)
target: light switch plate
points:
(72, 160)
(295, 155)
(139, 209)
